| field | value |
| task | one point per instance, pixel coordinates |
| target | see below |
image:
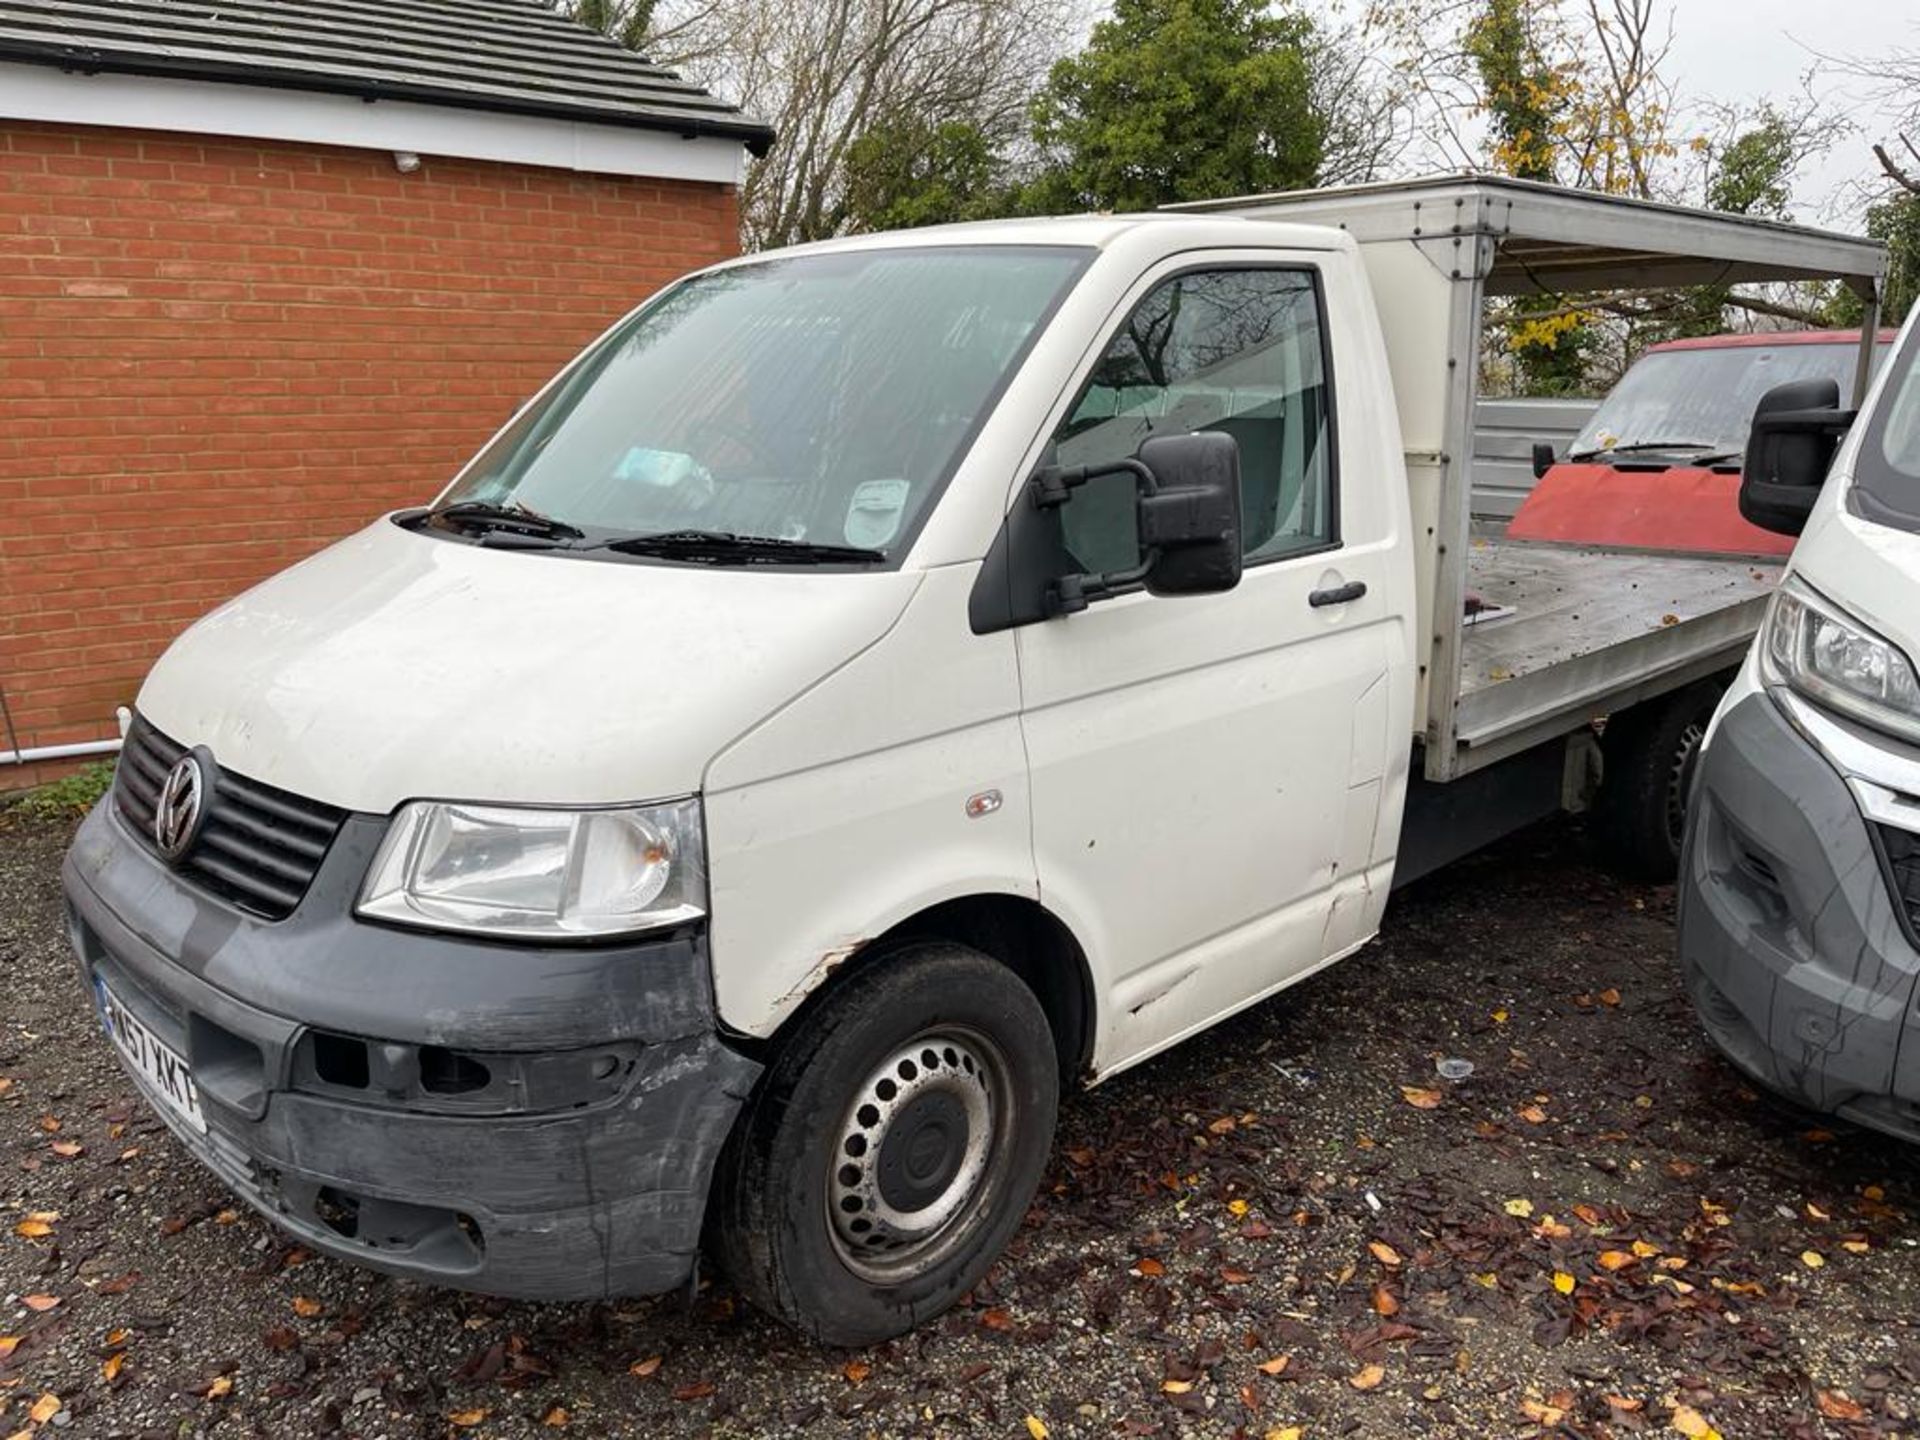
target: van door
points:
(1206, 771)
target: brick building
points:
(271, 267)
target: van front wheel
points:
(892, 1147)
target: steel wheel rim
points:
(1680, 782)
(913, 1160)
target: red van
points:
(1657, 467)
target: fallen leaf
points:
(1551, 1229)
(1621, 1402)
(217, 1387)
(1487, 1279)
(1276, 1366)
(1238, 1208)
(1563, 1282)
(1384, 1301)
(467, 1419)
(1286, 1432)
(45, 1408)
(999, 1319)
(1855, 1247)
(1384, 1253)
(556, 1418)
(306, 1307)
(31, 1229)
(1835, 1405)
(856, 1371)
(1500, 1017)
(1368, 1378)
(1421, 1099)
(226, 1217)
(1609, 996)
(1235, 1276)
(694, 1390)
(1542, 1414)
(1589, 1216)
(1519, 1209)
(67, 1149)
(1614, 1259)
(8, 1344)
(280, 1338)
(1147, 1266)
(40, 1303)
(1533, 1114)
(1036, 1427)
(1645, 1250)
(1692, 1423)
(1812, 1259)
(644, 1368)
(1176, 1387)
(50, 1124)
(1223, 1126)
(110, 1367)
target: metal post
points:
(1869, 335)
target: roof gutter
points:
(756, 135)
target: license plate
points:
(161, 1069)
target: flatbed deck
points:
(1586, 631)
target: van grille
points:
(259, 847)
(1903, 863)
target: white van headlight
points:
(539, 874)
(1816, 648)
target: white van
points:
(876, 684)
(1800, 900)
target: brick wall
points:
(217, 356)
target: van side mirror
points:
(1190, 520)
(1187, 511)
(1542, 459)
(1796, 428)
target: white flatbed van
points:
(876, 683)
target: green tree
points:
(1526, 94)
(910, 172)
(1179, 100)
(624, 21)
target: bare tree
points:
(825, 72)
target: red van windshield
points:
(1702, 399)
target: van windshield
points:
(1886, 476)
(1700, 400)
(822, 399)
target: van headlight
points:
(531, 874)
(1816, 648)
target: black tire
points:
(820, 1225)
(1639, 813)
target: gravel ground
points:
(1290, 1224)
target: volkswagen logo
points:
(181, 807)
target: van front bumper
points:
(1795, 937)
(537, 1123)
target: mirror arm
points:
(1051, 487)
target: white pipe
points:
(34, 754)
(122, 716)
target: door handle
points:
(1338, 594)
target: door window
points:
(1241, 352)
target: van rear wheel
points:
(892, 1147)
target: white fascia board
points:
(257, 112)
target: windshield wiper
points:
(486, 515)
(724, 547)
(1640, 445)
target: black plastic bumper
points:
(1791, 942)
(540, 1123)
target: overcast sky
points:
(1750, 49)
